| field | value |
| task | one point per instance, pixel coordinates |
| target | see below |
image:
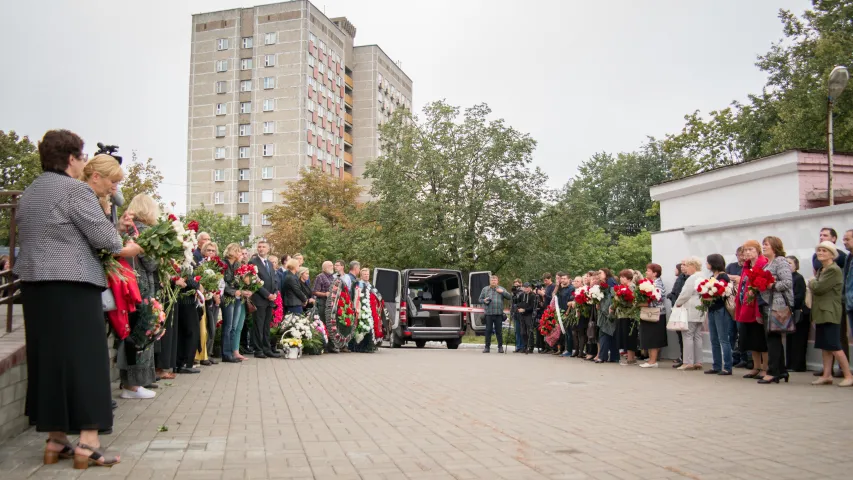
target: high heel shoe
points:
(751, 375)
(51, 457)
(775, 379)
(96, 458)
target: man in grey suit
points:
(264, 300)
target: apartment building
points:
(275, 89)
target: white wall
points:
(798, 230)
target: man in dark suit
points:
(264, 300)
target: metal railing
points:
(9, 286)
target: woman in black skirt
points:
(59, 218)
(827, 307)
(626, 332)
(797, 344)
(653, 334)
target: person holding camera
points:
(492, 298)
(525, 304)
(517, 292)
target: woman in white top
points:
(689, 299)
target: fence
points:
(9, 286)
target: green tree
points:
(19, 166)
(223, 229)
(454, 192)
(140, 177)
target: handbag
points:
(650, 314)
(677, 322)
(250, 307)
(108, 301)
(781, 321)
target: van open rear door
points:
(477, 281)
(389, 284)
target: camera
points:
(111, 150)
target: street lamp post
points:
(838, 78)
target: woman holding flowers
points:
(601, 293)
(232, 324)
(136, 368)
(213, 299)
(690, 300)
(626, 330)
(654, 333)
(826, 312)
(777, 297)
(750, 328)
(62, 227)
(719, 320)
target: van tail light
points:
(403, 318)
(464, 314)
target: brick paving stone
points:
(432, 413)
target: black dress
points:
(653, 334)
(798, 342)
(68, 385)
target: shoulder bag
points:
(108, 301)
(677, 321)
(781, 321)
(650, 314)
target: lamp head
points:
(837, 81)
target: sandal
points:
(96, 458)
(168, 376)
(51, 457)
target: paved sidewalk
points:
(438, 413)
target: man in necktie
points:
(264, 301)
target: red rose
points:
(197, 278)
(348, 322)
(172, 218)
(349, 311)
(340, 312)
(340, 303)
(193, 225)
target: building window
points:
(244, 174)
(321, 112)
(222, 66)
(310, 150)
(310, 105)
(221, 87)
(245, 129)
(269, 104)
(245, 107)
(312, 37)
(310, 61)
(243, 197)
(220, 131)
(221, 109)
(268, 149)
(222, 44)
(266, 196)
(269, 60)
(245, 64)
(322, 46)
(218, 175)
(269, 127)
(244, 219)
(219, 153)
(269, 82)
(265, 220)
(269, 38)
(248, 42)
(266, 173)
(245, 85)
(218, 198)
(243, 152)
(322, 68)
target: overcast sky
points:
(579, 76)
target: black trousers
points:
(166, 353)
(775, 354)
(188, 333)
(680, 344)
(261, 327)
(527, 331)
(494, 324)
(797, 343)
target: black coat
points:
(294, 295)
(270, 286)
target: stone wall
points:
(13, 393)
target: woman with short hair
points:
(689, 299)
(59, 218)
(294, 297)
(778, 298)
(232, 323)
(653, 334)
(827, 307)
(719, 321)
(211, 309)
(750, 328)
(305, 283)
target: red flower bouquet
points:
(346, 315)
(758, 280)
(247, 278)
(548, 326)
(193, 225)
(582, 301)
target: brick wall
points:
(13, 392)
(813, 176)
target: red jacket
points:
(747, 313)
(127, 296)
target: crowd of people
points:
(758, 324)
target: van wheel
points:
(453, 344)
(395, 341)
(420, 343)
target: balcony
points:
(348, 118)
(348, 99)
(347, 176)
(348, 80)
(348, 157)
(348, 138)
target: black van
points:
(405, 292)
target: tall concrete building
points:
(279, 88)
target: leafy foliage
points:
(222, 228)
(140, 177)
(19, 166)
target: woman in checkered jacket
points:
(62, 229)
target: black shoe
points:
(260, 355)
(114, 404)
(486, 350)
(231, 360)
(677, 364)
(246, 351)
(206, 363)
(212, 361)
(775, 379)
(272, 354)
(188, 370)
(751, 375)
(519, 351)
(724, 372)
(740, 364)
(712, 372)
(500, 349)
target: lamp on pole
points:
(838, 78)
